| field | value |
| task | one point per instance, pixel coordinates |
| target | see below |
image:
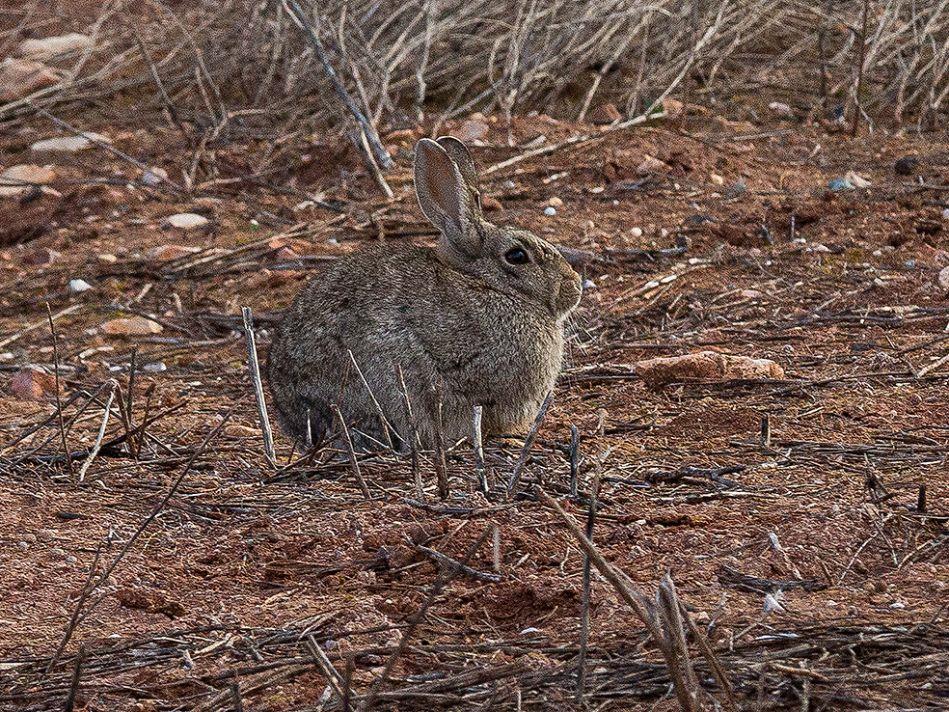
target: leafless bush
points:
(401, 58)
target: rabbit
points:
(401, 340)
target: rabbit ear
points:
(444, 197)
(466, 165)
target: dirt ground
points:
(815, 560)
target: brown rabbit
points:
(482, 314)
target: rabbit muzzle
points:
(568, 294)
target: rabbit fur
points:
(479, 320)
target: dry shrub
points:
(403, 57)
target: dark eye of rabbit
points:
(517, 256)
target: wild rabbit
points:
(482, 315)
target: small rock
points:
(156, 367)
(165, 253)
(78, 286)
(945, 213)
(18, 180)
(50, 47)
(944, 278)
(857, 180)
(69, 144)
(186, 221)
(605, 114)
(132, 326)
(555, 202)
(906, 165)
(772, 604)
(839, 184)
(107, 258)
(650, 164)
(588, 285)
(40, 256)
(509, 185)
(550, 211)
(33, 383)
(154, 176)
(781, 109)
(750, 293)
(636, 232)
(20, 78)
(474, 129)
(705, 365)
(716, 179)
(490, 204)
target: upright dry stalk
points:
(253, 366)
(59, 402)
(585, 604)
(857, 107)
(479, 448)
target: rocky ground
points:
(798, 504)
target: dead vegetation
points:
(161, 553)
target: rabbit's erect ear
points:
(466, 165)
(444, 197)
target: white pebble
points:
(550, 211)
(157, 367)
(636, 232)
(77, 286)
(186, 221)
(588, 284)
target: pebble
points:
(474, 129)
(839, 184)
(69, 144)
(650, 164)
(716, 179)
(40, 256)
(48, 47)
(12, 180)
(154, 176)
(945, 213)
(944, 278)
(588, 285)
(550, 211)
(107, 258)
(132, 326)
(186, 221)
(156, 367)
(164, 253)
(21, 77)
(33, 383)
(78, 286)
(857, 180)
(781, 109)
(509, 185)
(772, 604)
(555, 202)
(636, 232)
(906, 165)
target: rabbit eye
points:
(517, 256)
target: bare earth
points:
(219, 597)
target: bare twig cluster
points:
(223, 64)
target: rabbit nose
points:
(568, 295)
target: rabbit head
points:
(509, 260)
